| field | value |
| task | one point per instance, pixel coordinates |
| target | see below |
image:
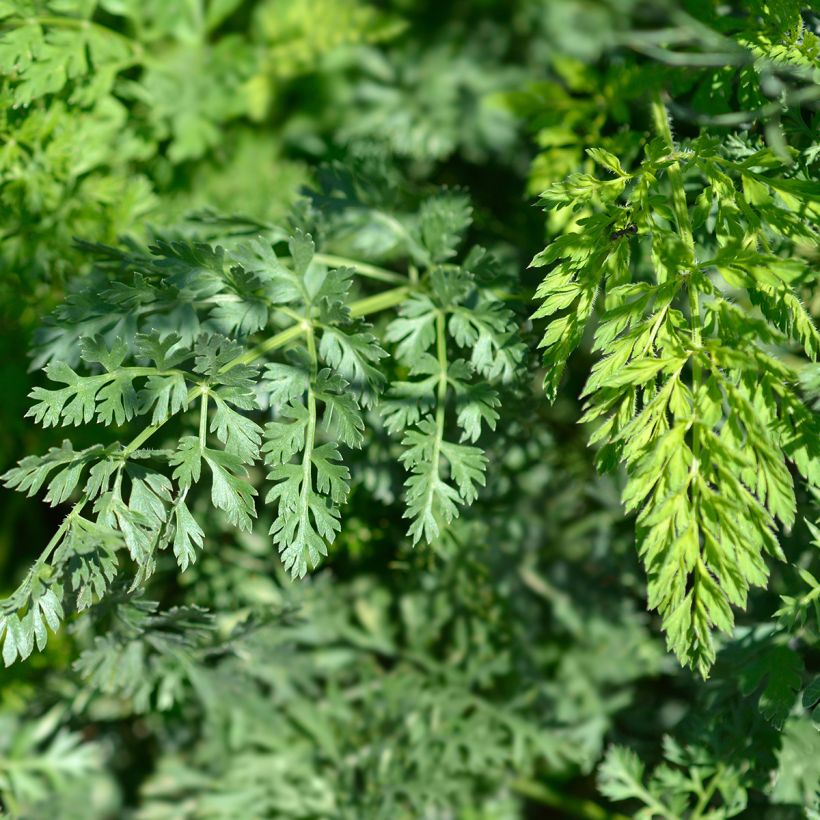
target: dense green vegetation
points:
(411, 408)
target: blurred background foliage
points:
(485, 679)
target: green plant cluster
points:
(336, 496)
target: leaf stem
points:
(279, 340)
(145, 434)
(707, 793)
(203, 419)
(310, 434)
(363, 307)
(573, 806)
(364, 268)
(148, 371)
(684, 224)
(441, 395)
(661, 119)
(25, 585)
(379, 302)
(130, 448)
(441, 353)
(61, 530)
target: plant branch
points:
(545, 794)
(684, 224)
(364, 268)
(363, 307)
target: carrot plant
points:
(336, 502)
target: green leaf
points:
(230, 490)
(489, 331)
(188, 536)
(168, 395)
(620, 776)
(476, 405)
(283, 383)
(407, 402)
(307, 494)
(74, 404)
(165, 351)
(443, 220)
(467, 468)
(683, 393)
(607, 160)
(283, 439)
(430, 500)
(771, 671)
(117, 402)
(356, 357)
(342, 417)
(44, 610)
(187, 461)
(241, 436)
(33, 471)
(414, 331)
(811, 699)
(95, 350)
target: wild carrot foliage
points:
(338, 503)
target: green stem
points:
(61, 530)
(279, 340)
(149, 371)
(25, 585)
(297, 317)
(364, 268)
(707, 794)
(12, 804)
(310, 434)
(363, 307)
(441, 397)
(133, 446)
(379, 302)
(661, 120)
(684, 224)
(441, 353)
(441, 394)
(203, 419)
(143, 436)
(569, 805)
